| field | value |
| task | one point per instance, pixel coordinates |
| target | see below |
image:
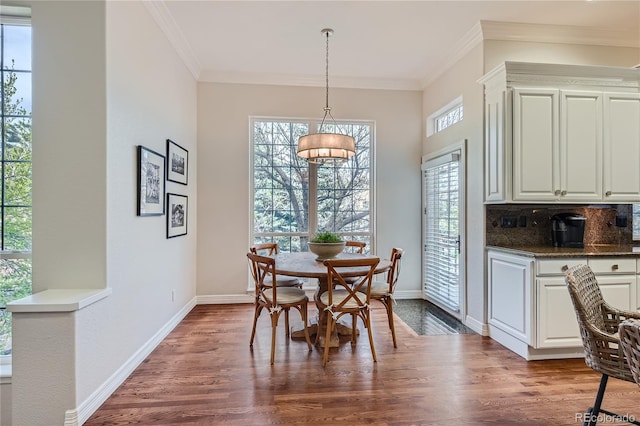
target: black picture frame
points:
(177, 163)
(177, 215)
(151, 178)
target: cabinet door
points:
(495, 184)
(621, 147)
(557, 324)
(580, 146)
(618, 291)
(536, 169)
(510, 294)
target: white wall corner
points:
(161, 15)
(477, 326)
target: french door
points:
(443, 229)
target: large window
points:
(293, 199)
(15, 169)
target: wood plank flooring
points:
(204, 373)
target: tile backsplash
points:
(600, 227)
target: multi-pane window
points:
(293, 199)
(15, 171)
(449, 118)
(445, 117)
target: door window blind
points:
(441, 231)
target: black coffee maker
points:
(567, 230)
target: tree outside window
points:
(293, 199)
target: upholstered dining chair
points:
(383, 290)
(629, 332)
(344, 298)
(598, 323)
(275, 299)
(271, 249)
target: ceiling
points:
(376, 44)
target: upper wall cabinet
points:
(562, 133)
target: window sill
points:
(5, 374)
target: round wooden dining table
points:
(304, 264)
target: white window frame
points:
(449, 108)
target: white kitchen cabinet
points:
(510, 294)
(580, 146)
(556, 323)
(530, 310)
(536, 150)
(562, 133)
(621, 152)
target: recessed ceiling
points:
(393, 43)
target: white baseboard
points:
(407, 294)
(82, 413)
(477, 326)
(225, 299)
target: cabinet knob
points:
(614, 267)
(563, 192)
(564, 268)
(557, 192)
(608, 193)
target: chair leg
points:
(592, 414)
(320, 319)
(368, 325)
(354, 329)
(255, 321)
(286, 322)
(388, 303)
(274, 326)
(327, 340)
(305, 324)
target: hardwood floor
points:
(204, 373)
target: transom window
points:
(445, 117)
(15, 165)
(293, 199)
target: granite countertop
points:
(590, 250)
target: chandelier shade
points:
(322, 147)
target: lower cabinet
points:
(529, 303)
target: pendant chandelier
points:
(326, 147)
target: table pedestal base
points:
(334, 342)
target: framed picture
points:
(177, 163)
(151, 176)
(177, 211)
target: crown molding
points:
(540, 33)
(161, 15)
(566, 34)
(471, 39)
(239, 77)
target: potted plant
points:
(326, 245)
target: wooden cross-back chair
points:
(346, 298)
(383, 290)
(275, 299)
(599, 323)
(356, 246)
(271, 249)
